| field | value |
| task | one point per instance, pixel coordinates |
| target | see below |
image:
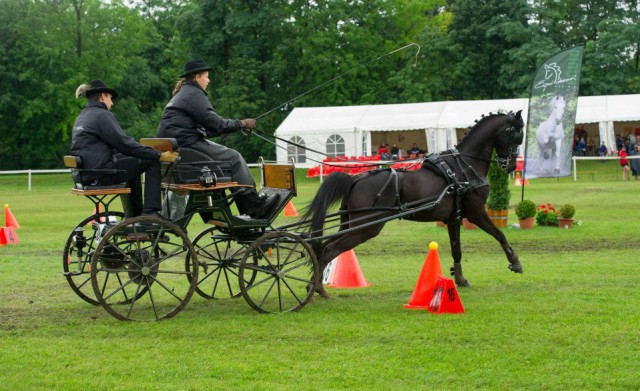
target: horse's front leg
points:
(456, 252)
(558, 144)
(485, 223)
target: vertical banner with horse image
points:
(553, 102)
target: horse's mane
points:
(480, 122)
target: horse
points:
(449, 186)
(550, 133)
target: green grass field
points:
(571, 321)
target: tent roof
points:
(450, 114)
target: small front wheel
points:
(283, 268)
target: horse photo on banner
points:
(553, 102)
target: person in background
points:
(395, 152)
(602, 151)
(99, 140)
(383, 151)
(581, 147)
(635, 163)
(415, 149)
(591, 145)
(190, 119)
(624, 163)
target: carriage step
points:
(72, 274)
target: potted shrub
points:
(566, 213)
(546, 215)
(499, 195)
(526, 211)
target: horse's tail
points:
(332, 190)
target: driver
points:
(190, 119)
(102, 144)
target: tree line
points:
(267, 52)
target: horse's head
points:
(558, 104)
(508, 140)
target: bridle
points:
(515, 135)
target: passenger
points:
(190, 119)
(97, 135)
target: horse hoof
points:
(516, 267)
(463, 284)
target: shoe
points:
(268, 204)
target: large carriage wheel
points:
(219, 257)
(79, 248)
(144, 253)
(285, 267)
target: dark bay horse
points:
(449, 186)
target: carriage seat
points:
(82, 176)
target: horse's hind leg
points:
(456, 252)
(487, 226)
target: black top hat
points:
(195, 66)
(98, 86)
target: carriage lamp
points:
(207, 178)
(79, 241)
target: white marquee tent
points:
(359, 128)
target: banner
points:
(553, 101)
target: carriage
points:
(147, 268)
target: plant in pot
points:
(566, 213)
(526, 211)
(499, 195)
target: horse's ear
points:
(519, 115)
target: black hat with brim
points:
(98, 86)
(195, 66)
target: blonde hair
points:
(182, 80)
(81, 91)
(178, 86)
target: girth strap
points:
(393, 175)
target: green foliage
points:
(567, 211)
(548, 218)
(525, 209)
(499, 193)
(268, 52)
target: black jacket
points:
(189, 117)
(97, 137)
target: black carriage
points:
(147, 268)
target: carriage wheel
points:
(78, 250)
(219, 257)
(144, 254)
(285, 267)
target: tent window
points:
(297, 153)
(335, 145)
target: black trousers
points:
(249, 200)
(133, 167)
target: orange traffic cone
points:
(347, 272)
(9, 219)
(518, 180)
(445, 298)
(8, 236)
(290, 210)
(431, 270)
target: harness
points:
(435, 162)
